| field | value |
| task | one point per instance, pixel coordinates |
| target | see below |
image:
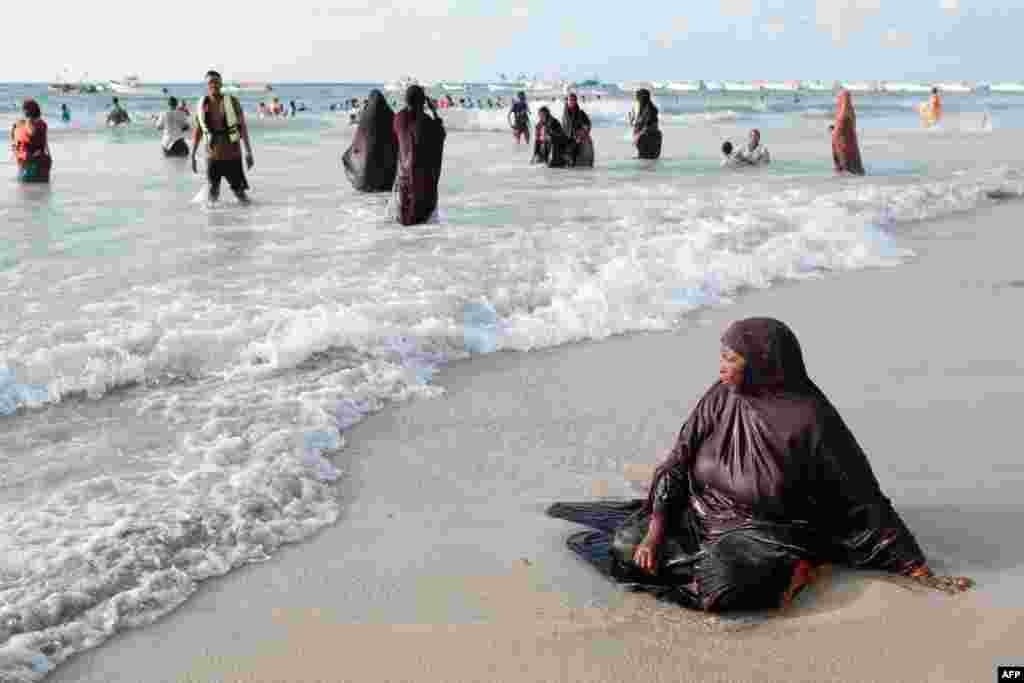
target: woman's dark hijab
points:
(371, 161)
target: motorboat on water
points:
(905, 87)
(818, 86)
(1007, 87)
(956, 87)
(685, 86)
(133, 86)
(241, 87)
(783, 86)
(400, 85)
(862, 86)
(63, 86)
(741, 86)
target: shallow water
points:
(176, 381)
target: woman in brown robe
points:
(420, 152)
(845, 151)
(764, 484)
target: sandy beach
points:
(444, 568)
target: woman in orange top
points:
(845, 151)
(30, 145)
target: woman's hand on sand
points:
(646, 556)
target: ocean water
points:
(177, 382)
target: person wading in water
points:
(220, 119)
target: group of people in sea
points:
(401, 153)
(277, 108)
(765, 483)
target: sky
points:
(380, 40)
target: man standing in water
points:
(220, 119)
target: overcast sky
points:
(378, 40)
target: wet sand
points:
(444, 568)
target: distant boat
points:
(958, 87)
(685, 86)
(714, 86)
(740, 86)
(1008, 86)
(401, 85)
(247, 87)
(818, 86)
(861, 86)
(783, 86)
(454, 86)
(132, 85)
(62, 86)
(905, 87)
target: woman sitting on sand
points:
(31, 146)
(764, 484)
(845, 151)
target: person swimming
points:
(31, 145)
(117, 115)
(174, 123)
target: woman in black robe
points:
(371, 161)
(420, 152)
(646, 134)
(550, 143)
(576, 124)
(764, 484)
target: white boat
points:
(782, 86)
(1007, 86)
(818, 86)
(631, 86)
(740, 86)
(957, 87)
(401, 85)
(247, 87)
(905, 87)
(132, 86)
(861, 86)
(685, 86)
(454, 86)
(714, 86)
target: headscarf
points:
(774, 360)
(30, 108)
(844, 108)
